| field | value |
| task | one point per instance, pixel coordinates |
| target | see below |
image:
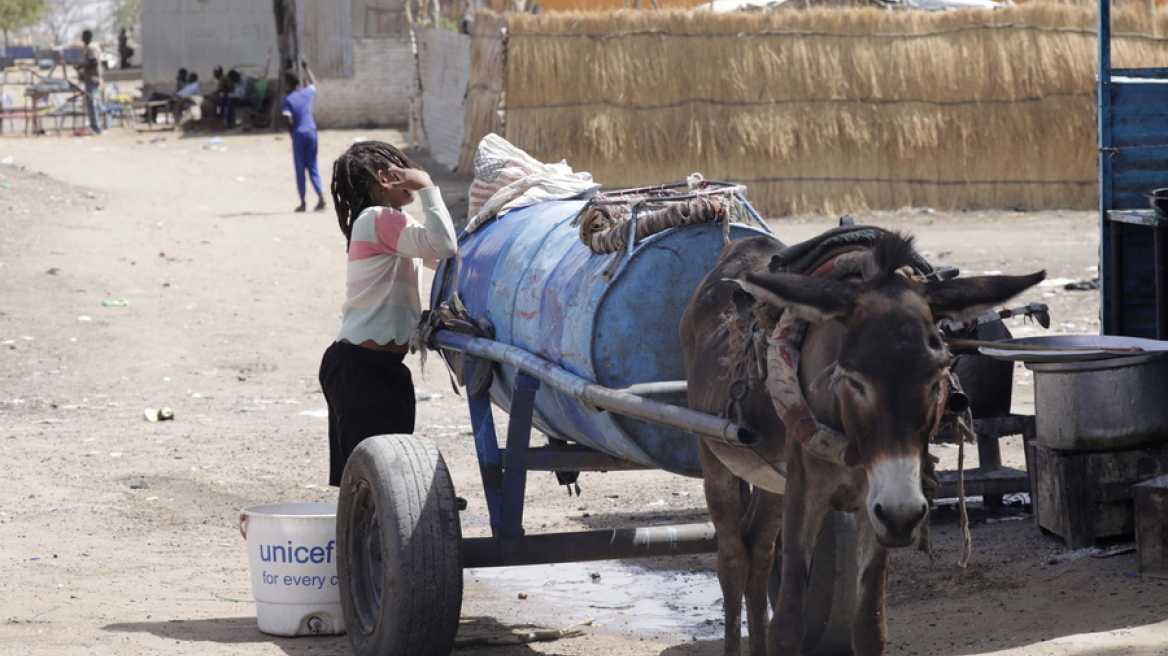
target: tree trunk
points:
(287, 38)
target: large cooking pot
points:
(1095, 398)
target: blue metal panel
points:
(1135, 172)
(1152, 73)
(1133, 160)
(612, 319)
(1139, 113)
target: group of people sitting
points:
(234, 90)
(186, 87)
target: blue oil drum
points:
(612, 319)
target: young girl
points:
(367, 386)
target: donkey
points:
(874, 371)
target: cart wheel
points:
(829, 609)
(399, 549)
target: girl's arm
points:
(432, 238)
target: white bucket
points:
(292, 550)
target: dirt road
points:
(119, 535)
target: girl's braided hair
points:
(355, 178)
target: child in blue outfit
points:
(297, 108)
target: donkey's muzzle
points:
(899, 525)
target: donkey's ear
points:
(813, 299)
(962, 299)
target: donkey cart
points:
(565, 315)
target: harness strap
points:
(782, 383)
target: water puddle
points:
(620, 597)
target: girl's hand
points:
(408, 179)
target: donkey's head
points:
(891, 374)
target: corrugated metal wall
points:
(201, 35)
(362, 58)
(444, 65)
(326, 36)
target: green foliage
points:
(124, 13)
(19, 14)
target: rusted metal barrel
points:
(610, 319)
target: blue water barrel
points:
(614, 323)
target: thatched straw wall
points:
(484, 89)
(823, 110)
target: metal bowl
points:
(1158, 199)
(1076, 348)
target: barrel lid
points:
(1074, 348)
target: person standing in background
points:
(89, 70)
(124, 49)
(297, 110)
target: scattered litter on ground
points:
(315, 413)
(523, 637)
(1011, 518)
(1115, 551)
(1067, 556)
(1082, 285)
(121, 302)
(152, 414)
(85, 317)
(36, 615)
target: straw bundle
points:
(824, 110)
(484, 89)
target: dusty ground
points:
(119, 535)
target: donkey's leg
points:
(871, 629)
(804, 510)
(764, 518)
(727, 510)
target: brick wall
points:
(378, 95)
(444, 69)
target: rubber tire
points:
(829, 609)
(399, 549)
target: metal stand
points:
(504, 475)
(990, 479)
(1119, 223)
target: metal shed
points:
(1133, 161)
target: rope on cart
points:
(604, 222)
